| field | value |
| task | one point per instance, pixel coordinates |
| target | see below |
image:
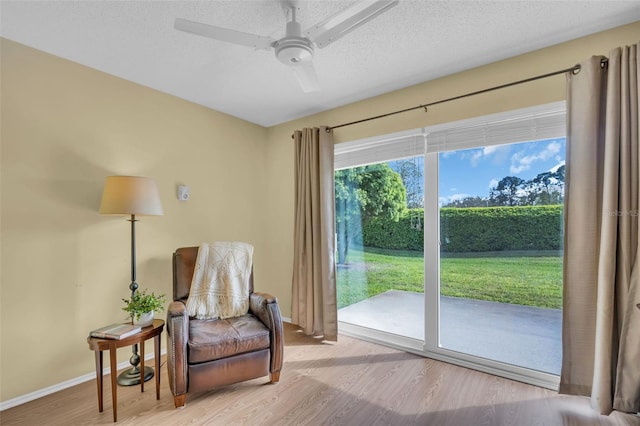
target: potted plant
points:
(142, 307)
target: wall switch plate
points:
(183, 192)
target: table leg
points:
(98, 355)
(114, 383)
(156, 354)
(142, 372)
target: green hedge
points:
(388, 234)
(473, 229)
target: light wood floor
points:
(346, 383)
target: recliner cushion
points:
(221, 338)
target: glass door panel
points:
(500, 280)
(380, 246)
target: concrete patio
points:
(520, 335)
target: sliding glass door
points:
(450, 241)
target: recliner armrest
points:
(177, 308)
(265, 307)
(177, 338)
(258, 305)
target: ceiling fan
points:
(296, 48)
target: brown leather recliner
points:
(202, 354)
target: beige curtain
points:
(601, 324)
(313, 305)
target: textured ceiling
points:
(413, 42)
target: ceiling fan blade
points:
(342, 23)
(305, 72)
(224, 34)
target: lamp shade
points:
(126, 195)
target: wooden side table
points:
(98, 345)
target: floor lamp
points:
(131, 196)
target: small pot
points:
(144, 320)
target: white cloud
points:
(521, 162)
(497, 152)
(488, 150)
(493, 183)
(557, 166)
(456, 197)
(451, 198)
(475, 158)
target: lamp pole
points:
(131, 376)
(134, 285)
(131, 195)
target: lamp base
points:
(131, 377)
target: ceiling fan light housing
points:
(294, 50)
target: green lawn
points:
(523, 278)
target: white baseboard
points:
(4, 405)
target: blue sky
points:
(472, 172)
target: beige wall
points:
(65, 268)
(66, 127)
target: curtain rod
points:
(574, 69)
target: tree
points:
(468, 202)
(546, 188)
(412, 180)
(506, 191)
(347, 209)
(362, 193)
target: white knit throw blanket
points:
(220, 284)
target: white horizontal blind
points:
(379, 149)
(523, 125)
